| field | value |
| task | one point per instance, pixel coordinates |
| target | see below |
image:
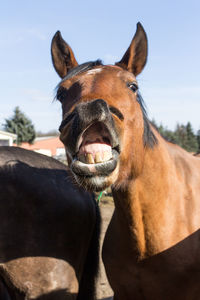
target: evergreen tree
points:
(191, 143)
(167, 134)
(20, 125)
(182, 136)
(198, 140)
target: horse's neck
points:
(141, 204)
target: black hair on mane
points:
(82, 68)
(149, 138)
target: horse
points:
(152, 245)
(49, 231)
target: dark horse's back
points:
(48, 232)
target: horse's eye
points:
(133, 86)
(61, 94)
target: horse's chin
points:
(93, 184)
(95, 177)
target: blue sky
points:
(170, 82)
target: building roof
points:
(14, 136)
(46, 143)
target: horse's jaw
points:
(97, 176)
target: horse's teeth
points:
(98, 157)
(89, 158)
(107, 155)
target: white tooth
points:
(89, 158)
(107, 155)
(98, 157)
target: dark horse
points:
(49, 230)
(152, 246)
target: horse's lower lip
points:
(97, 169)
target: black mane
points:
(149, 138)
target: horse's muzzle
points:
(91, 140)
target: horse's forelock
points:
(81, 68)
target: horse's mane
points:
(149, 138)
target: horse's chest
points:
(150, 279)
(168, 275)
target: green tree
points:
(20, 125)
(198, 140)
(169, 135)
(183, 136)
(191, 143)
(180, 135)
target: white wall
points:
(6, 140)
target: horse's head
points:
(104, 128)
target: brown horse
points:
(49, 230)
(152, 246)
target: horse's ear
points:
(135, 57)
(62, 55)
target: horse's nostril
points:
(116, 112)
(66, 120)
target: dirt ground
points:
(104, 291)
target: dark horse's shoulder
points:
(37, 191)
(39, 175)
(38, 187)
(10, 155)
(46, 225)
